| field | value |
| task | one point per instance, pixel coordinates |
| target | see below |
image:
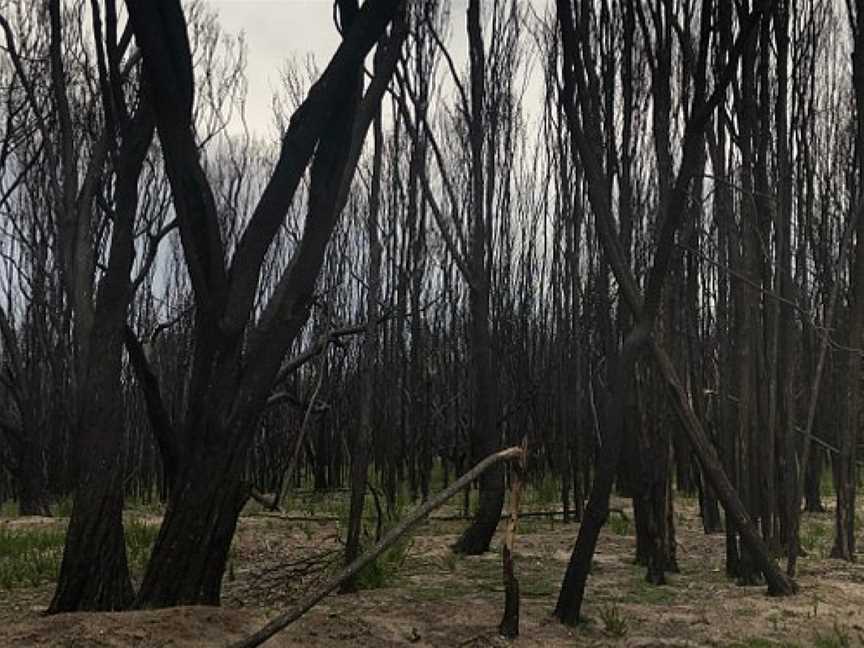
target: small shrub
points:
(815, 538)
(381, 571)
(619, 524)
(614, 622)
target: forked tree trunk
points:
(237, 360)
(94, 573)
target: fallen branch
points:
(284, 620)
(433, 518)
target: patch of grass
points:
(815, 537)
(619, 524)
(149, 506)
(324, 503)
(775, 618)
(140, 538)
(614, 623)
(545, 492)
(837, 637)
(382, 571)
(438, 592)
(644, 592)
(29, 557)
(826, 484)
(436, 476)
(63, 506)
(536, 584)
(759, 642)
(747, 612)
(529, 526)
(451, 561)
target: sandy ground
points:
(437, 599)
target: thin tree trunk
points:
(476, 538)
(361, 449)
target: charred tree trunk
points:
(813, 483)
(237, 355)
(845, 469)
(361, 450)
(33, 498)
(94, 574)
(485, 439)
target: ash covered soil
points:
(438, 599)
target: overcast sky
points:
(277, 30)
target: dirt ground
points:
(437, 599)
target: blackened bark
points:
(33, 498)
(235, 364)
(484, 433)
(786, 369)
(94, 574)
(191, 551)
(360, 453)
(575, 71)
(569, 605)
(845, 469)
(655, 524)
(813, 483)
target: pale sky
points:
(278, 30)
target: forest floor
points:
(426, 596)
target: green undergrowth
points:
(619, 524)
(641, 591)
(816, 536)
(383, 571)
(30, 556)
(838, 637)
(614, 621)
(759, 642)
(140, 538)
